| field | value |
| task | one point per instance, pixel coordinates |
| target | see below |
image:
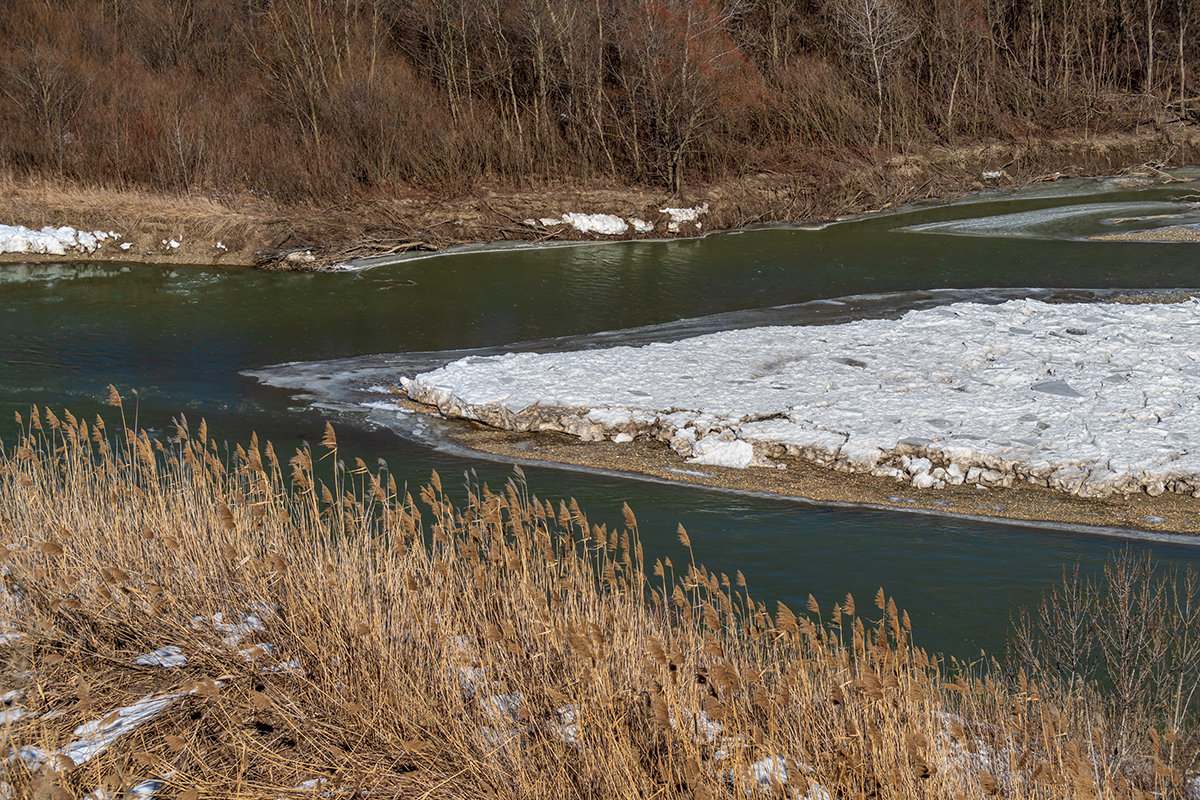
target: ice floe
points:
(51, 240)
(1088, 398)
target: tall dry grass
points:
(503, 646)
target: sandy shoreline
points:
(1174, 233)
(1178, 513)
(1168, 513)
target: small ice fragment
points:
(170, 656)
(235, 632)
(97, 735)
(257, 651)
(678, 471)
(221, 246)
(769, 771)
(29, 755)
(11, 715)
(126, 245)
(714, 451)
(641, 225)
(1055, 387)
(499, 707)
(623, 438)
(681, 215)
(918, 466)
(992, 174)
(924, 480)
(147, 788)
(174, 244)
(566, 729)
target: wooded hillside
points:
(329, 99)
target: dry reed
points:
(342, 636)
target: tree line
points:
(327, 99)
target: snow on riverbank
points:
(612, 225)
(52, 241)
(1091, 399)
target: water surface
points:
(184, 337)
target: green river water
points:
(184, 338)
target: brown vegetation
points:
(499, 647)
(325, 100)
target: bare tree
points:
(688, 76)
(874, 30)
(42, 83)
(1184, 11)
(1130, 636)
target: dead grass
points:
(258, 230)
(500, 647)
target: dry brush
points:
(337, 634)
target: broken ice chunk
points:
(1056, 387)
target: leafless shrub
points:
(1128, 642)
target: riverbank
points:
(800, 479)
(254, 230)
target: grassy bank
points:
(319, 629)
(260, 230)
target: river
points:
(184, 339)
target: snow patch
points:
(168, 657)
(96, 736)
(679, 216)
(50, 240)
(10, 715)
(604, 224)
